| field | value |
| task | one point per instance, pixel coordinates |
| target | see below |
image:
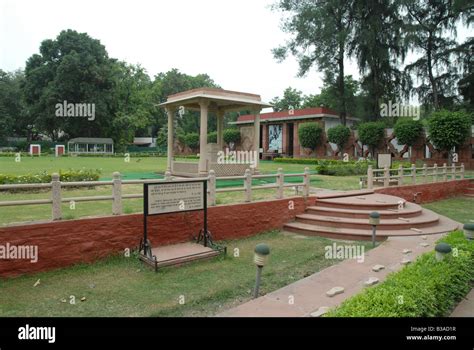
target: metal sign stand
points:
(204, 236)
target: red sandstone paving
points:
(309, 294)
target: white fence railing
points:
(386, 177)
(117, 183)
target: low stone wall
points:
(64, 243)
(428, 192)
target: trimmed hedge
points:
(429, 288)
(44, 177)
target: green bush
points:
(231, 135)
(449, 129)
(309, 135)
(341, 168)
(371, 134)
(69, 175)
(310, 161)
(192, 140)
(339, 135)
(429, 288)
(408, 131)
(212, 137)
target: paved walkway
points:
(466, 307)
(309, 294)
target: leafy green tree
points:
(466, 83)
(321, 32)
(408, 131)
(378, 44)
(12, 113)
(231, 135)
(309, 135)
(339, 135)
(371, 134)
(429, 27)
(448, 129)
(212, 137)
(74, 68)
(291, 99)
(192, 140)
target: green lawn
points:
(460, 208)
(120, 286)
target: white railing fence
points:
(386, 177)
(117, 183)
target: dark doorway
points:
(290, 139)
(261, 141)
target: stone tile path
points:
(309, 295)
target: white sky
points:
(231, 40)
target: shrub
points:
(408, 131)
(69, 175)
(430, 288)
(449, 129)
(339, 135)
(371, 134)
(231, 135)
(309, 135)
(212, 137)
(341, 168)
(192, 140)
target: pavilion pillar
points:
(170, 113)
(204, 104)
(220, 129)
(256, 141)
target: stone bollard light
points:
(260, 258)
(469, 231)
(442, 249)
(374, 220)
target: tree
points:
(378, 46)
(74, 68)
(192, 140)
(408, 131)
(371, 134)
(448, 130)
(231, 135)
(132, 103)
(309, 135)
(12, 113)
(340, 136)
(292, 99)
(427, 24)
(321, 33)
(172, 82)
(466, 83)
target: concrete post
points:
(170, 113)
(453, 172)
(204, 104)
(435, 172)
(306, 181)
(280, 181)
(257, 139)
(117, 194)
(400, 175)
(445, 172)
(220, 129)
(386, 176)
(462, 171)
(370, 177)
(211, 187)
(425, 173)
(248, 185)
(167, 175)
(56, 197)
(413, 174)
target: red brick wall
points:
(429, 192)
(65, 243)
